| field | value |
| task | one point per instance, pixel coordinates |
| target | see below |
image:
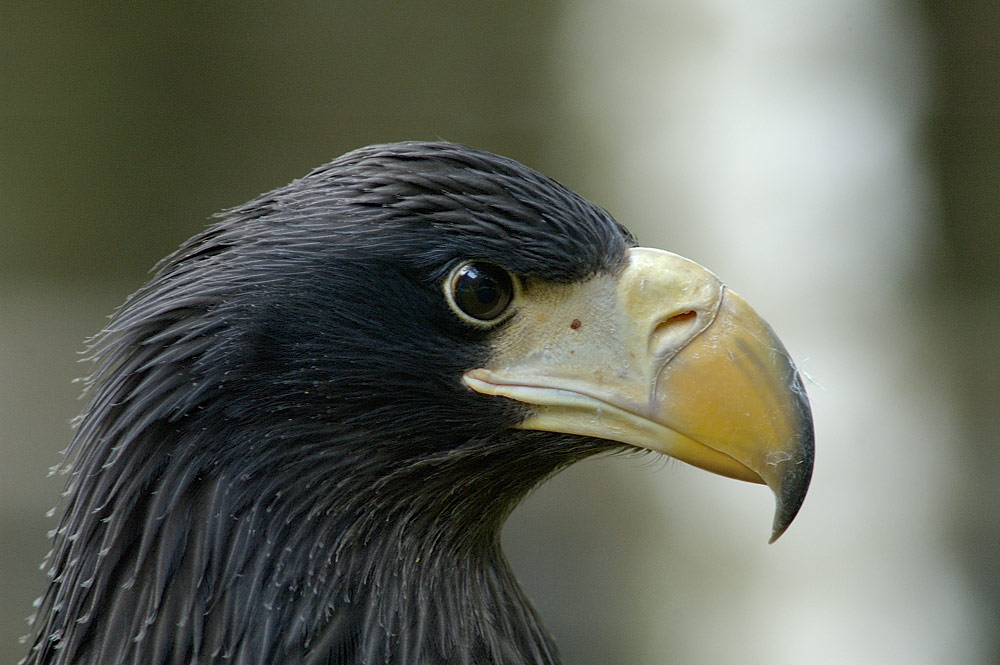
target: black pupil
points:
(483, 290)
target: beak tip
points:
(791, 490)
(781, 523)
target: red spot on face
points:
(576, 324)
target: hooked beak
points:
(661, 356)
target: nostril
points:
(680, 319)
(672, 333)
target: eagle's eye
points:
(480, 292)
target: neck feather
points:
(162, 558)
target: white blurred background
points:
(812, 154)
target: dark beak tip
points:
(791, 492)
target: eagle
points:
(304, 434)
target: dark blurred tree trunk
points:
(965, 144)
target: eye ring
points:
(480, 292)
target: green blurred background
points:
(837, 161)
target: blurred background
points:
(835, 161)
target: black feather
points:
(279, 463)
